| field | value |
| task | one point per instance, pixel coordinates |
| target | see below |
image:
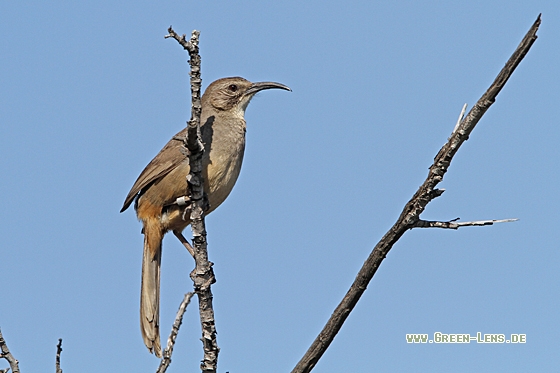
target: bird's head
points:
(235, 93)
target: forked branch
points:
(410, 216)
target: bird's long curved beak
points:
(256, 87)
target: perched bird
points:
(156, 190)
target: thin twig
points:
(452, 224)
(6, 354)
(460, 119)
(58, 352)
(166, 360)
(411, 212)
(202, 275)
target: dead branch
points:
(166, 360)
(202, 275)
(454, 224)
(6, 354)
(58, 352)
(410, 215)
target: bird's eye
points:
(232, 87)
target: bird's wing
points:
(167, 159)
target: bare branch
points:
(188, 45)
(192, 141)
(6, 354)
(166, 360)
(411, 212)
(58, 352)
(452, 224)
(202, 275)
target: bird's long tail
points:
(149, 294)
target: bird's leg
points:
(184, 241)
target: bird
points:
(162, 184)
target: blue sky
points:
(90, 91)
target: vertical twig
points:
(202, 275)
(460, 119)
(58, 352)
(410, 216)
(6, 354)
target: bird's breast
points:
(224, 165)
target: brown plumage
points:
(163, 181)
